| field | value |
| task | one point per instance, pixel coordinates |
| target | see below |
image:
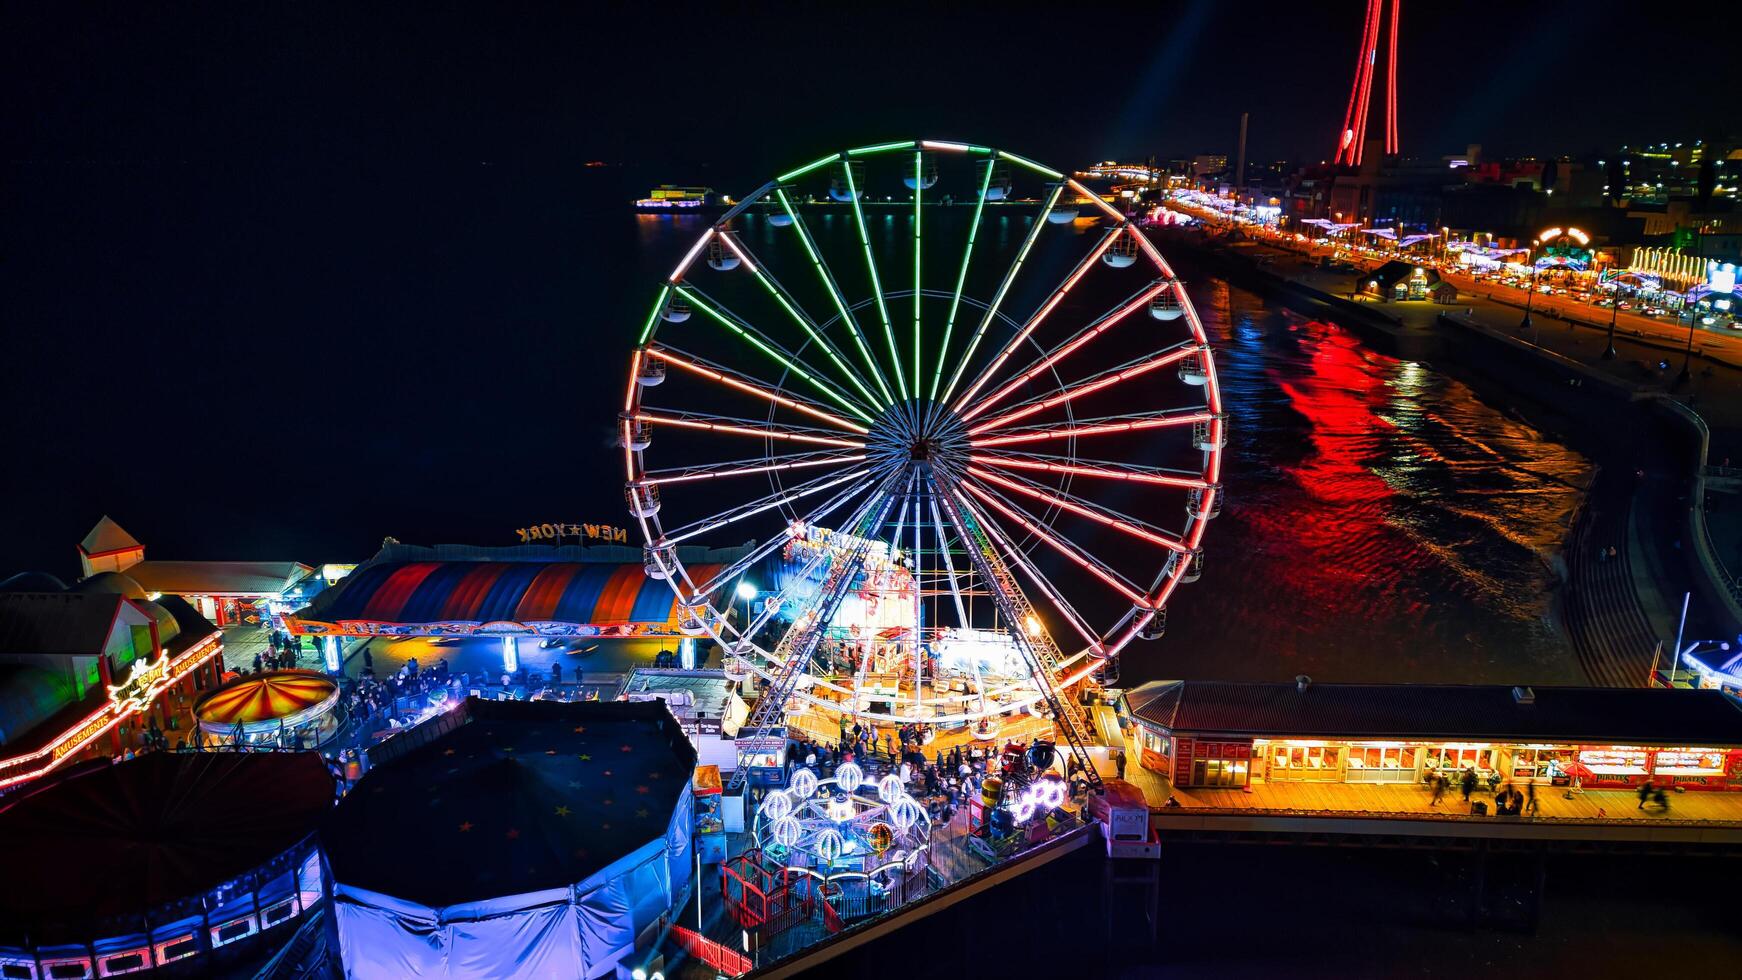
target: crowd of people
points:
(944, 780)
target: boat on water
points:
(673, 199)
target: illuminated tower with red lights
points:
(1353, 136)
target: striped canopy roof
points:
(418, 592)
(269, 697)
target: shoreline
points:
(1646, 517)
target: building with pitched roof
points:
(83, 671)
(229, 593)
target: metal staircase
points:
(1037, 647)
(799, 645)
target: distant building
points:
(229, 593)
(1389, 191)
(1206, 164)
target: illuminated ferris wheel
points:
(962, 408)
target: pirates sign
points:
(555, 533)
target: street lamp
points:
(1531, 295)
(744, 591)
(1682, 377)
(1614, 310)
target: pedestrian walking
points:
(1438, 783)
(1644, 793)
(1119, 762)
(1468, 783)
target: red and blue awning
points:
(550, 598)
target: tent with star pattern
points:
(513, 839)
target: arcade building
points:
(1228, 735)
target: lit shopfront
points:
(1226, 740)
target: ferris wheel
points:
(959, 404)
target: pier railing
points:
(1688, 823)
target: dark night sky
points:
(242, 244)
(744, 88)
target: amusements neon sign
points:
(142, 686)
(121, 703)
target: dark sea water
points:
(1383, 522)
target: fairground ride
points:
(962, 404)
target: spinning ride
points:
(963, 403)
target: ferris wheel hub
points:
(920, 433)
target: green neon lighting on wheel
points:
(653, 316)
(807, 168)
(811, 332)
(1030, 164)
(1003, 288)
(804, 236)
(775, 355)
(961, 280)
(876, 283)
(918, 187)
(881, 148)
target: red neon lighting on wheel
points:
(1083, 389)
(1172, 544)
(1095, 199)
(1183, 483)
(1069, 552)
(749, 470)
(1034, 321)
(1060, 354)
(745, 430)
(670, 358)
(1090, 430)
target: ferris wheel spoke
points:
(762, 505)
(961, 280)
(789, 303)
(834, 290)
(876, 281)
(1095, 199)
(1058, 542)
(742, 329)
(1018, 558)
(1088, 262)
(962, 617)
(1096, 426)
(1104, 469)
(738, 381)
(1139, 529)
(774, 542)
(918, 290)
(1107, 322)
(746, 427)
(1003, 291)
(748, 467)
(1097, 382)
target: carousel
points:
(275, 709)
(846, 846)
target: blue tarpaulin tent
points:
(513, 839)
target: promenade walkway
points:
(1414, 798)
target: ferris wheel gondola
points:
(969, 504)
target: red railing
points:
(720, 957)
